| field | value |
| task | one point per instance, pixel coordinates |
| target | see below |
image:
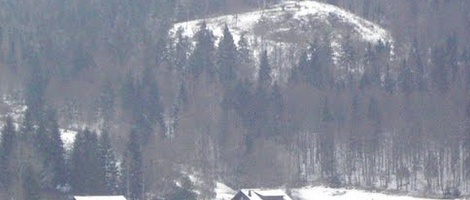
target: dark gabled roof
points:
(262, 194)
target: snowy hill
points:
(290, 17)
(286, 29)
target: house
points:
(260, 194)
(99, 198)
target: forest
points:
(151, 108)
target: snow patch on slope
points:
(300, 11)
(68, 138)
(14, 107)
(288, 28)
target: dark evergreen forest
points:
(151, 108)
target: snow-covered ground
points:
(323, 193)
(224, 192)
(287, 28)
(68, 138)
(297, 11)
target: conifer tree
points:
(416, 62)
(77, 160)
(133, 167)
(405, 79)
(51, 149)
(440, 71)
(264, 73)
(297, 74)
(106, 104)
(389, 83)
(181, 51)
(245, 57)
(88, 176)
(56, 151)
(109, 164)
(31, 185)
(96, 175)
(35, 92)
(375, 116)
(327, 144)
(7, 145)
(150, 109)
(128, 94)
(227, 58)
(276, 108)
(201, 60)
(373, 139)
(315, 69)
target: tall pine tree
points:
(31, 185)
(201, 60)
(108, 165)
(264, 72)
(7, 147)
(227, 58)
(56, 151)
(405, 79)
(149, 110)
(88, 175)
(133, 167)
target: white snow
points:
(223, 192)
(368, 30)
(245, 22)
(99, 198)
(14, 108)
(324, 193)
(68, 138)
(260, 194)
(289, 27)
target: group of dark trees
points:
(388, 115)
(36, 164)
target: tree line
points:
(389, 116)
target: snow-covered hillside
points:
(299, 17)
(286, 29)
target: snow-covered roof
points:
(223, 192)
(263, 194)
(99, 198)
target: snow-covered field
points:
(224, 192)
(323, 193)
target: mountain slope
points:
(288, 28)
(290, 17)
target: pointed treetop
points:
(264, 74)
